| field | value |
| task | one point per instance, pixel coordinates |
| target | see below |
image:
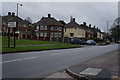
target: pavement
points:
(99, 68)
(40, 64)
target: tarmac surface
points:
(102, 67)
(43, 63)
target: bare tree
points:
(29, 19)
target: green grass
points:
(57, 45)
(25, 42)
(33, 48)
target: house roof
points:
(73, 24)
(11, 18)
(48, 21)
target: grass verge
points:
(38, 48)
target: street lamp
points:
(17, 17)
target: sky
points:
(94, 13)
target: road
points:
(43, 63)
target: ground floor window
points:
(60, 34)
(41, 35)
(37, 34)
(45, 34)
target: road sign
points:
(12, 24)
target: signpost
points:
(11, 25)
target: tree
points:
(61, 21)
(28, 19)
(115, 30)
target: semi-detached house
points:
(48, 28)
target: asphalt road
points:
(43, 63)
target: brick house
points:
(21, 30)
(48, 28)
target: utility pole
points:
(107, 26)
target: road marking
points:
(59, 53)
(19, 59)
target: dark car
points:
(77, 41)
(103, 41)
(90, 42)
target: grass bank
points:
(57, 45)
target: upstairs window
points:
(60, 28)
(52, 28)
(37, 27)
(56, 28)
(41, 27)
(45, 27)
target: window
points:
(37, 34)
(52, 34)
(45, 34)
(56, 28)
(60, 34)
(37, 27)
(45, 28)
(56, 34)
(60, 28)
(41, 34)
(52, 28)
(41, 27)
(71, 34)
(24, 25)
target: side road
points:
(105, 66)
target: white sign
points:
(11, 24)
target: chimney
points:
(97, 27)
(84, 23)
(90, 25)
(9, 13)
(74, 19)
(49, 15)
(94, 27)
(13, 14)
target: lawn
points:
(25, 42)
(57, 45)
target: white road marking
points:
(19, 59)
(31, 57)
(59, 53)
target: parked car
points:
(103, 41)
(77, 41)
(90, 42)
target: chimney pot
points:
(89, 25)
(74, 19)
(84, 23)
(9, 13)
(13, 14)
(49, 15)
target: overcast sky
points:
(95, 13)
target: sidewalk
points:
(105, 66)
(99, 68)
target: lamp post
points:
(17, 18)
